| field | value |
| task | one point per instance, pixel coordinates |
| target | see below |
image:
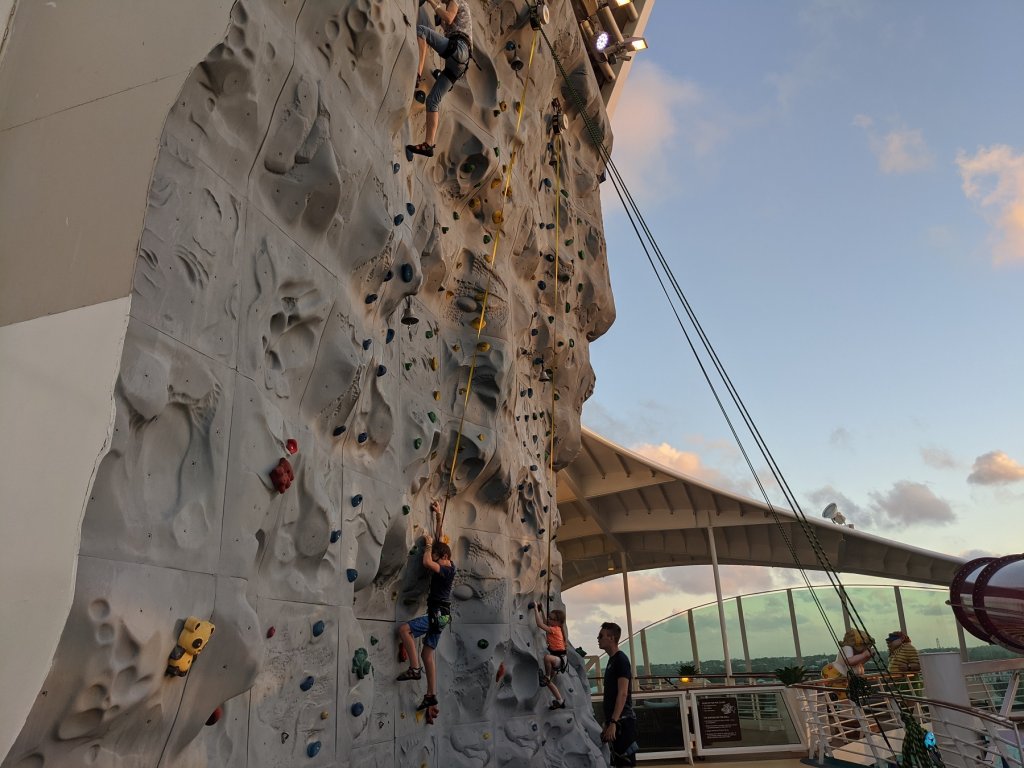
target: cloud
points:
(840, 437)
(688, 463)
(660, 115)
(971, 554)
(910, 503)
(994, 177)
(899, 151)
(938, 458)
(995, 468)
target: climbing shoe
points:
(428, 702)
(412, 673)
(427, 150)
(556, 704)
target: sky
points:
(839, 189)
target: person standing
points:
(620, 731)
(903, 657)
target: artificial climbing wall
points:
(286, 238)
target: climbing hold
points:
(503, 105)
(389, 337)
(215, 716)
(371, 298)
(547, 183)
(388, 275)
(271, 631)
(307, 683)
(481, 643)
(399, 218)
(318, 628)
(481, 437)
(479, 323)
(567, 307)
(406, 509)
(569, 241)
(407, 273)
(324, 715)
(395, 167)
(410, 208)
(483, 346)
(541, 284)
(282, 476)
(373, 640)
(455, 215)
(526, 548)
(363, 437)
(381, 370)
(291, 445)
(335, 536)
(437, 395)
(408, 366)
(356, 709)
(429, 334)
(543, 572)
(529, 391)
(550, 226)
(549, 257)
(339, 430)
(361, 665)
(565, 194)
(444, 230)
(367, 343)
(313, 749)
(351, 574)
(417, 443)
(533, 726)
(500, 673)
(530, 605)
(474, 203)
(498, 218)
(497, 152)
(487, 239)
(357, 500)
(434, 363)
(467, 168)
(533, 467)
(432, 416)
(533, 331)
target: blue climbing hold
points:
(547, 183)
(538, 361)
(526, 548)
(307, 683)
(541, 284)
(390, 336)
(529, 391)
(543, 572)
(410, 208)
(407, 273)
(510, 45)
(313, 749)
(550, 226)
(363, 437)
(357, 709)
(335, 536)
(357, 500)
(339, 430)
(399, 218)
(533, 467)
(371, 298)
(533, 331)
(351, 574)
(395, 167)
(381, 370)
(929, 740)
(531, 605)
(367, 343)
(318, 629)
(533, 726)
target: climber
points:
(555, 659)
(456, 48)
(437, 557)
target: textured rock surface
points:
(269, 290)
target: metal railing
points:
(873, 731)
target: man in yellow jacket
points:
(903, 656)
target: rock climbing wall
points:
(289, 242)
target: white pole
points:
(721, 605)
(629, 618)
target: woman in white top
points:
(856, 649)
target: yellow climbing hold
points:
(445, 539)
(437, 395)
(498, 217)
(434, 364)
(479, 324)
(324, 715)
(487, 736)
(474, 204)
(481, 437)
(495, 183)
(483, 346)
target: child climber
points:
(555, 659)
(437, 557)
(456, 48)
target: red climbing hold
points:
(282, 476)
(292, 445)
(500, 673)
(271, 632)
(217, 714)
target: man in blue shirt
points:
(620, 731)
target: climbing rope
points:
(552, 477)
(481, 321)
(637, 222)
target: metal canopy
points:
(612, 500)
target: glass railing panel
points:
(709, 638)
(769, 631)
(668, 645)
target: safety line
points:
(552, 477)
(481, 321)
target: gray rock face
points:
(287, 236)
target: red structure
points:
(987, 597)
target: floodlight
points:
(620, 3)
(636, 43)
(600, 41)
(831, 512)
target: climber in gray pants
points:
(456, 48)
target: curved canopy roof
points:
(612, 500)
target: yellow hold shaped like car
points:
(193, 638)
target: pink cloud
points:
(994, 177)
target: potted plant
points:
(686, 672)
(791, 675)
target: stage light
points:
(601, 40)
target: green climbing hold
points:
(417, 443)
(361, 665)
(429, 334)
(373, 640)
(487, 239)
(497, 152)
(455, 215)
(433, 417)
(444, 230)
(408, 366)
(406, 509)
(569, 241)
(572, 343)
(565, 194)
(567, 307)
(481, 643)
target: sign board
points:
(718, 718)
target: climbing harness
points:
(914, 755)
(480, 322)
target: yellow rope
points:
(553, 478)
(482, 320)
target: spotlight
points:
(611, 564)
(620, 3)
(601, 40)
